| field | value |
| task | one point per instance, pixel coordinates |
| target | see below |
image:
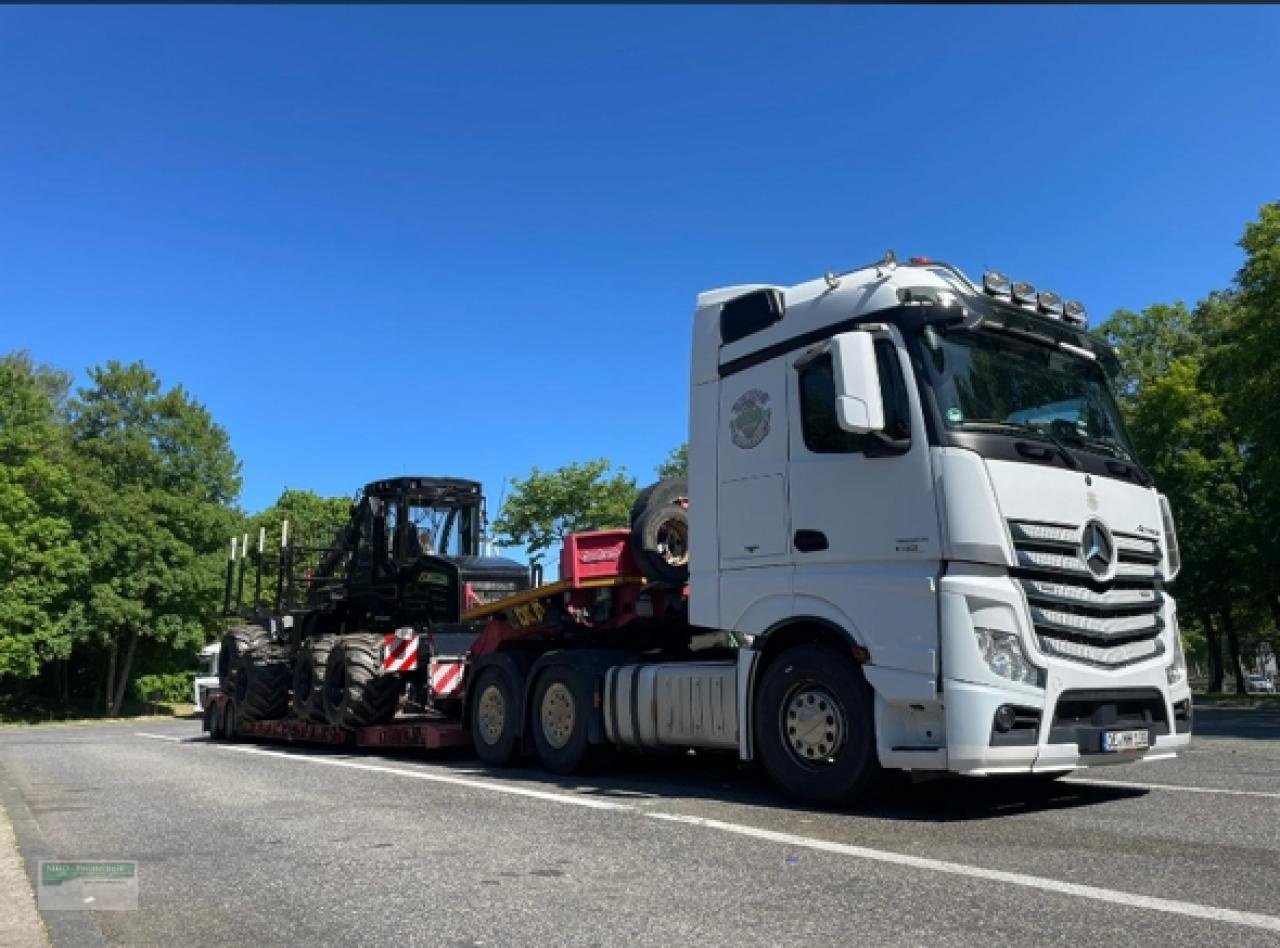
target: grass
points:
(154, 712)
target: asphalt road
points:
(262, 845)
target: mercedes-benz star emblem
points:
(1097, 549)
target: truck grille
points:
(1076, 617)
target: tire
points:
(235, 643)
(308, 678)
(213, 720)
(660, 542)
(664, 492)
(260, 684)
(815, 726)
(560, 714)
(230, 729)
(355, 693)
(494, 716)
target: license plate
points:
(1124, 740)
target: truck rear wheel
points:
(561, 709)
(308, 678)
(815, 726)
(493, 717)
(355, 693)
(260, 684)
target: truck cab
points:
(933, 477)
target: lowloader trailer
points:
(914, 537)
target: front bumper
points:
(1059, 725)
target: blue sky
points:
(468, 241)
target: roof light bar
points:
(1073, 313)
(1024, 292)
(996, 284)
(1050, 303)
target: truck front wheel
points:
(815, 725)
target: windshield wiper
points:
(1035, 431)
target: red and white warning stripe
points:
(400, 654)
(446, 675)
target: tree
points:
(546, 505)
(41, 560)
(314, 522)
(154, 507)
(677, 463)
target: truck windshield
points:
(996, 381)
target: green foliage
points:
(154, 511)
(676, 464)
(546, 505)
(171, 687)
(41, 558)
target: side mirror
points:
(859, 407)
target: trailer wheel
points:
(815, 726)
(235, 643)
(494, 716)
(667, 491)
(260, 684)
(561, 709)
(355, 693)
(308, 678)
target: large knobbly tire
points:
(660, 531)
(494, 716)
(355, 693)
(308, 678)
(815, 726)
(260, 684)
(213, 720)
(235, 643)
(560, 718)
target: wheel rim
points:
(814, 725)
(557, 715)
(491, 714)
(672, 542)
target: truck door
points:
(864, 525)
(755, 559)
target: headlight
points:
(1176, 673)
(1170, 538)
(1002, 651)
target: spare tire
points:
(260, 684)
(660, 534)
(308, 677)
(235, 643)
(356, 694)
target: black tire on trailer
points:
(230, 727)
(660, 542)
(494, 717)
(559, 718)
(308, 677)
(815, 726)
(213, 719)
(235, 642)
(356, 694)
(666, 491)
(260, 684)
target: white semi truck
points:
(915, 538)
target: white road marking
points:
(1091, 782)
(1132, 900)
(431, 777)
(1095, 893)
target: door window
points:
(823, 434)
